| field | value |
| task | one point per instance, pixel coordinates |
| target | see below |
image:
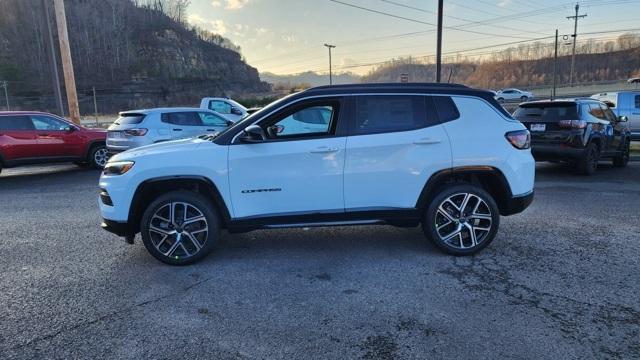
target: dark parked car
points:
(578, 131)
(35, 137)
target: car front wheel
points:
(180, 228)
(461, 219)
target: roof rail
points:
(381, 85)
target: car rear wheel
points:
(524, 98)
(461, 219)
(500, 100)
(589, 162)
(97, 158)
(623, 159)
(180, 228)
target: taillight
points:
(572, 124)
(136, 132)
(520, 139)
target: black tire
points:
(188, 252)
(588, 164)
(97, 157)
(524, 98)
(500, 100)
(623, 159)
(435, 226)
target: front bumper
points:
(517, 204)
(119, 228)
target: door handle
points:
(177, 129)
(323, 150)
(427, 141)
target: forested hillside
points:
(524, 66)
(123, 47)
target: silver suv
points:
(143, 127)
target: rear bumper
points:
(517, 204)
(545, 152)
(118, 228)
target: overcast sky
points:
(287, 36)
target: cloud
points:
(290, 39)
(504, 3)
(215, 26)
(230, 4)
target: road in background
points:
(560, 281)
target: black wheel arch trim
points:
(504, 201)
(90, 146)
(136, 210)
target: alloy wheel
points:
(100, 157)
(178, 230)
(463, 221)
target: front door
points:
(57, 138)
(297, 170)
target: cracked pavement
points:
(560, 280)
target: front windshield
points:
(246, 121)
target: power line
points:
(419, 21)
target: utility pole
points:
(67, 63)
(4, 84)
(330, 75)
(55, 78)
(439, 42)
(555, 68)
(575, 37)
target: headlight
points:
(117, 168)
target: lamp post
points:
(329, 46)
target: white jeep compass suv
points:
(441, 155)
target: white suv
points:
(444, 156)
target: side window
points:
(315, 120)
(182, 118)
(220, 106)
(596, 111)
(15, 123)
(637, 97)
(379, 114)
(41, 122)
(446, 108)
(212, 120)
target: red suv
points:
(35, 137)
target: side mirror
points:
(236, 111)
(622, 118)
(69, 128)
(253, 134)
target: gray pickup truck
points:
(624, 103)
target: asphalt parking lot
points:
(561, 281)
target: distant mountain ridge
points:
(309, 77)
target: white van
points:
(624, 103)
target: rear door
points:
(634, 114)
(617, 127)
(57, 138)
(395, 143)
(184, 124)
(18, 138)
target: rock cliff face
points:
(133, 55)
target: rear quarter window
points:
(446, 108)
